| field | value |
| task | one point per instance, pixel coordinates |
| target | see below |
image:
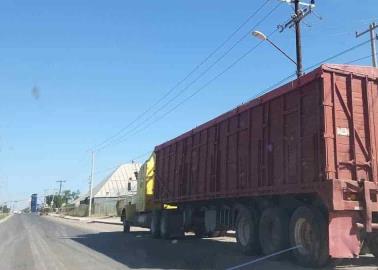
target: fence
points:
(101, 207)
(104, 207)
(76, 211)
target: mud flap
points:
(343, 234)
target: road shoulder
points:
(6, 218)
(85, 225)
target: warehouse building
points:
(119, 184)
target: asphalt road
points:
(47, 243)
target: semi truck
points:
(294, 168)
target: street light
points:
(261, 36)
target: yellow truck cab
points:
(138, 209)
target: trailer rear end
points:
(296, 167)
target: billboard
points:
(33, 203)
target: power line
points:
(120, 139)
(270, 87)
(148, 124)
(339, 54)
(193, 81)
(311, 67)
(107, 169)
(212, 53)
(115, 167)
(138, 157)
(135, 158)
(359, 59)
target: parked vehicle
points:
(296, 167)
(138, 209)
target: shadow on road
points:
(139, 250)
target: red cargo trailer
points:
(296, 167)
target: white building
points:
(119, 183)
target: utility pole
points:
(60, 185)
(373, 38)
(91, 185)
(52, 201)
(298, 38)
(44, 197)
(299, 14)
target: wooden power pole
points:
(373, 38)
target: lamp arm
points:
(287, 56)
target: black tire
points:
(126, 226)
(199, 231)
(123, 215)
(217, 233)
(155, 224)
(309, 232)
(247, 231)
(373, 244)
(165, 225)
(364, 248)
(274, 230)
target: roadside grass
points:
(3, 215)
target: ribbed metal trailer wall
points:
(276, 144)
(350, 125)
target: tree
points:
(64, 198)
(70, 195)
(4, 209)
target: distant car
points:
(16, 212)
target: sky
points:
(74, 73)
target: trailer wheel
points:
(218, 233)
(201, 233)
(273, 230)
(364, 248)
(308, 231)
(164, 225)
(373, 244)
(246, 231)
(155, 224)
(126, 226)
(123, 215)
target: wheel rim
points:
(304, 236)
(244, 231)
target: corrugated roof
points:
(116, 183)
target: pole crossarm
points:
(372, 27)
(301, 11)
(60, 185)
(373, 38)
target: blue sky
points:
(94, 66)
